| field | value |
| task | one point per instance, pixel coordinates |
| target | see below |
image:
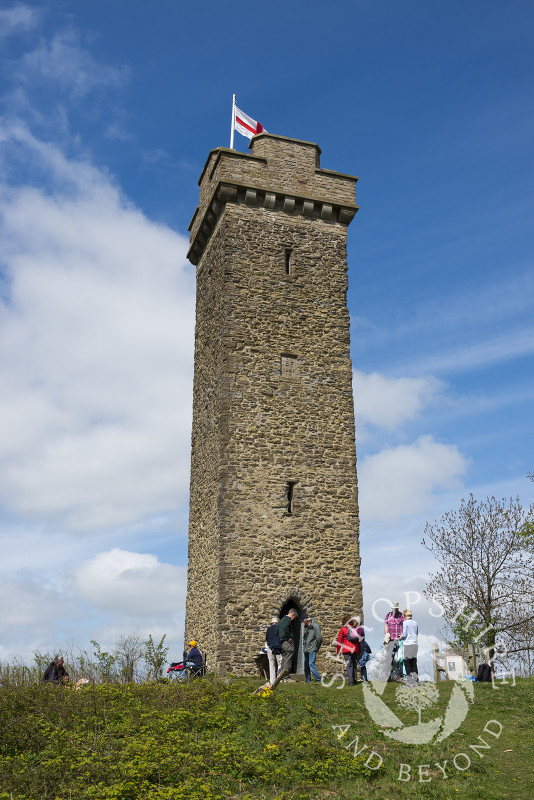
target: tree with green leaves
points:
(485, 569)
(105, 663)
(467, 628)
(155, 656)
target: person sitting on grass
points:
(56, 672)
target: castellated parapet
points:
(274, 503)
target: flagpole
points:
(233, 124)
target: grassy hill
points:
(212, 740)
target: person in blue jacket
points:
(194, 657)
(274, 649)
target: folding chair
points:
(198, 670)
(182, 671)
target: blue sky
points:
(108, 112)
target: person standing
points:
(285, 634)
(312, 640)
(274, 649)
(410, 635)
(348, 643)
(365, 650)
(392, 634)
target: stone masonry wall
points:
(256, 429)
(291, 167)
(203, 567)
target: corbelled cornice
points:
(262, 197)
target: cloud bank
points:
(404, 480)
(17, 19)
(131, 584)
(96, 347)
(390, 402)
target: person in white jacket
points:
(410, 632)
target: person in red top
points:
(350, 650)
(392, 633)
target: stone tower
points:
(274, 501)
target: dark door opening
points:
(298, 657)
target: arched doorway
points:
(298, 657)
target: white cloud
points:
(31, 603)
(96, 348)
(404, 480)
(108, 595)
(65, 63)
(493, 350)
(17, 18)
(133, 584)
(390, 402)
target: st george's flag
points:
(246, 125)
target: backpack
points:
(353, 635)
(366, 648)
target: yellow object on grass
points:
(266, 692)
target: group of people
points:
(192, 662)
(280, 647)
(401, 627)
(353, 647)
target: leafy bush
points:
(121, 664)
(155, 656)
(212, 741)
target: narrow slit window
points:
(288, 262)
(290, 493)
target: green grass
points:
(212, 740)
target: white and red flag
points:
(246, 125)
(243, 124)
